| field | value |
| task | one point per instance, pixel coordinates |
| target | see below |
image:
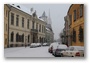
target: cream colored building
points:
(24, 28)
(38, 30)
(6, 19)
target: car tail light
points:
(77, 54)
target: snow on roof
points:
(47, 29)
(41, 19)
(22, 8)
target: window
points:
(12, 37)
(22, 22)
(33, 25)
(81, 35)
(22, 37)
(40, 28)
(28, 38)
(74, 15)
(17, 37)
(6, 27)
(17, 20)
(37, 26)
(44, 29)
(11, 45)
(70, 17)
(28, 24)
(74, 36)
(6, 13)
(12, 18)
(81, 10)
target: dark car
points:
(57, 49)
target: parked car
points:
(50, 50)
(38, 44)
(45, 44)
(33, 45)
(74, 51)
(58, 48)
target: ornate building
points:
(24, 28)
(76, 16)
(49, 35)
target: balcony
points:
(34, 30)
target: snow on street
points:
(27, 52)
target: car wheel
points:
(55, 54)
(72, 56)
(62, 55)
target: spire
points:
(44, 17)
(49, 18)
(44, 14)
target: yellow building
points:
(6, 18)
(76, 14)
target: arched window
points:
(28, 38)
(81, 10)
(22, 37)
(40, 39)
(81, 37)
(17, 37)
(12, 37)
(28, 24)
(74, 35)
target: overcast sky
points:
(57, 13)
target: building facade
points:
(76, 16)
(6, 21)
(38, 31)
(49, 34)
(67, 30)
(24, 28)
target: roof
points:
(70, 7)
(23, 9)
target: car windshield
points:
(61, 49)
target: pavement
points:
(27, 52)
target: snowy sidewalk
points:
(27, 52)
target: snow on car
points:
(45, 44)
(51, 46)
(33, 45)
(74, 51)
(38, 44)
